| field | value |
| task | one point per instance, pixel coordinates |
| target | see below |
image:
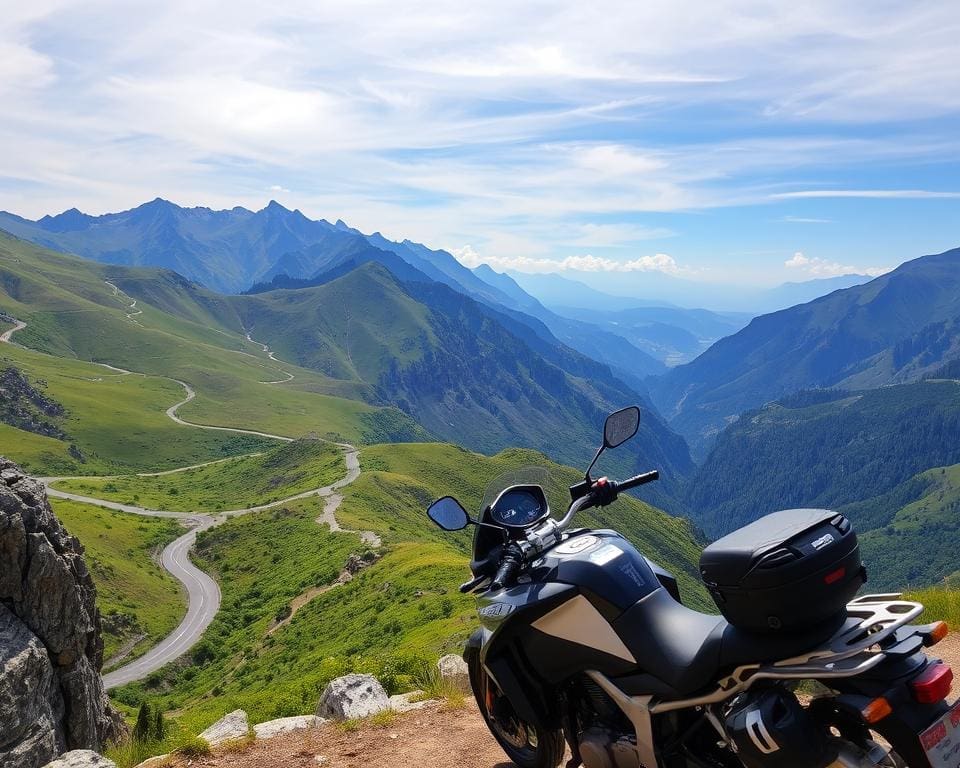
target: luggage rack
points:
(846, 654)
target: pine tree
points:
(159, 726)
(144, 724)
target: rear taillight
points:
(933, 684)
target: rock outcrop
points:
(353, 696)
(234, 725)
(283, 725)
(51, 693)
(81, 758)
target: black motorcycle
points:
(586, 643)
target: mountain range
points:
(452, 365)
(894, 329)
(233, 250)
(483, 358)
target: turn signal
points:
(876, 710)
(938, 631)
(933, 685)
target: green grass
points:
(118, 421)
(400, 613)
(280, 472)
(134, 594)
(37, 454)
(184, 332)
(941, 602)
(924, 533)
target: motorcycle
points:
(585, 643)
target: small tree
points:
(159, 726)
(144, 725)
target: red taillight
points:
(834, 576)
(933, 685)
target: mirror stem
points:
(587, 474)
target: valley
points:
(275, 450)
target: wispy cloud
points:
(805, 220)
(660, 262)
(817, 267)
(533, 131)
(891, 194)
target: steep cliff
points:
(51, 694)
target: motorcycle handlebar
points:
(636, 480)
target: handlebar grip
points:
(633, 482)
(505, 574)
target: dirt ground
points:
(428, 738)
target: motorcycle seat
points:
(687, 650)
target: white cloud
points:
(277, 188)
(817, 267)
(660, 262)
(893, 194)
(452, 123)
(805, 220)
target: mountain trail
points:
(271, 356)
(132, 306)
(5, 337)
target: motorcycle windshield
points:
(530, 475)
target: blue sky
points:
(740, 142)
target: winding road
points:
(203, 593)
(17, 326)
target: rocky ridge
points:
(51, 694)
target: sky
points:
(751, 142)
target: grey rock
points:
(81, 758)
(353, 696)
(154, 762)
(404, 702)
(51, 693)
(281, 725)
(455, 669)
(232, 726)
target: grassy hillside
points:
(190, 334)
(917, 543)
(139, 602)
(117, 422)
(279, 472)
(826, 448)
(470, 375)
(402, 608)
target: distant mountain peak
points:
(275, 207)
(70, 220)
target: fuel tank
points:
(607, 568)
(560, 614)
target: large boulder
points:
(51, 693)
(232, 726)
(81, 758)
(353, 696)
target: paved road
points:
(203, 594)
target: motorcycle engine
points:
(607, 741)
(601, 748)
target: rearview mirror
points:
(620, 426)
(448, 514)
